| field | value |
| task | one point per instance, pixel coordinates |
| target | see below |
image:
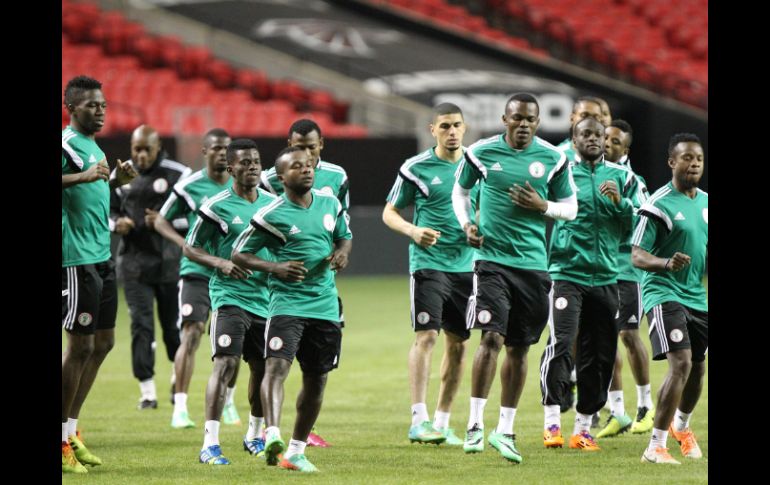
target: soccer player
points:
(619, 136)
(440, 266)
(149, 263)
(584, 302)
(329, 178)
(89, 292)
(670, 243)
(188, 195)
(239, 297)
(509, 302)
(584, 107)
(308, 235)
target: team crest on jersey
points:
(536, 169)
(85, 319)
(329, 222)
(224, 340)
(423, 318)
(560, 303)
(676, 335)
(276, 343)
(160, 186)
(326, 190)
(186, 310)
(706, 215)
(484, 316)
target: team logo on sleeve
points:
(560, 303)
(160, 185)
(536, 169)
(329, 222)
(275, 343)
(85, 319)
(224, 340)
(327, 190)
(423, 318)
(706, 215)
(484, 316)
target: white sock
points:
(229, 395)
(296, 447)
(419, 413)
(272, 429)
(644, 397)
(180, 402)
(552, 414)
(658, 439)
(148, 390)
(72, 426)
(477, 412)
(440, 420)
(210, 434)
(582, 423)
(505, 423)
(64, 434)
(681, 420)
(617, 407)
(255, 427)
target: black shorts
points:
(630, 312)
(89, 296)
(194, 300)
(440, 300)
(512, 302)
(316, 343)
(235, 331)
(674, 326)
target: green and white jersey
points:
(295, 233)
(514, 236)
(85, 208)
(329, 178)
(187, 197)
(669, 222)
(219, 222)
(567, 149)
(626, 270)
(585, 249)
(426, 181)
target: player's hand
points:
(124, 225)
(228, 268)
(124, 172)
(609, 188)
(338, 260)
(293, 271)
(97, 171)
(677, 262)
(527, 197)
(472, 235)
(425, 236)
(149, 217)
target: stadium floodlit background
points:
(368, 72)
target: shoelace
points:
(641, 413)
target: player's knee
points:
(426, 339)
(103, 346)
(681, 365)
(698, 368)
(629, 338)
(492, 342)
(81, 350)
(518, 353)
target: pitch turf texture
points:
(365, 415)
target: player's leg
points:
(167, 296)
(141, 308)
(230, 412)
(253, 354)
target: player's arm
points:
(649, 262)
(343, 242)
(651, 227)
(124, 173)
(467, 175)
(424, 236)
(173, 209)
(97, 171)
(204, 229)
(249, 242)
(561, 186)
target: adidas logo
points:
(496, 167)
(633, 319)
(237, 220)
(294, 230)
(678, 217)
(435, 181)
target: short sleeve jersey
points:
(296, 233)
(329, 178)
(219, 222)
(670, 221)
(626, 270)
(85, 208)
(188, 196)
(426, 181)
(514, 236)
(566, 148)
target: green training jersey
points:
(585, 249)
(219, 222)
(187, 197)
(514, 236)
(85, 208)
(296, 233)
(426, 181)
(329, 178)
(626, 270)
(567, 149)
(669, 222)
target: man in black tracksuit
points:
(149, 264)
